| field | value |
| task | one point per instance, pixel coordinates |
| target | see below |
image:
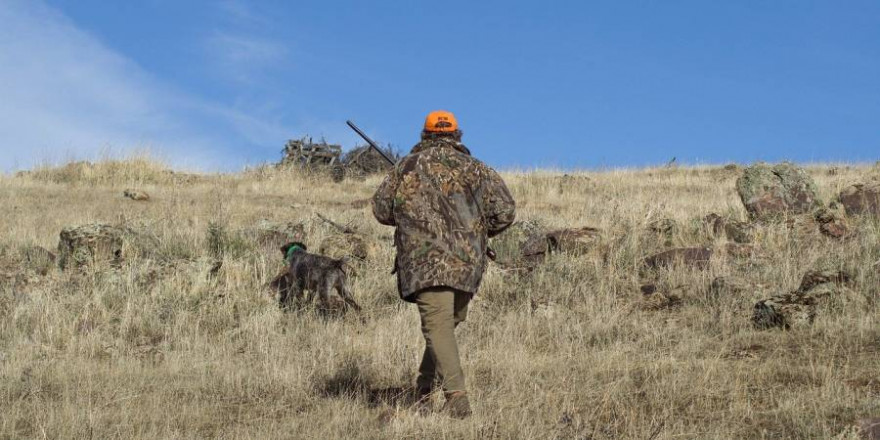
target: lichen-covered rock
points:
(861, 199)
(89, 244)
(799, 308)
(814, 278)
(770, 192)
(831, 224)
(783, 311)
(697, 257)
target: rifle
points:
(373, 144)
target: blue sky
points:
(223, 84)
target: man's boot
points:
(422, 401)
(457, 405)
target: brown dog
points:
(315, 274)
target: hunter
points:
(445, 205)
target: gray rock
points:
(861, 199)
(770, 192)
(692, 257)
(799, 308)
(89, 244)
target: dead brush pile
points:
(180, 338)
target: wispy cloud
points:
(241, 47)
(63, 93)
(241, 13)
(243, 58)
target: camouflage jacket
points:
(445, 204)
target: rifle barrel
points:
(370, 141)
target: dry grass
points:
(160, 349)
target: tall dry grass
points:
(160, 348)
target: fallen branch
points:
(341, 228)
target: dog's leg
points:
(294, 294)
(346, 296)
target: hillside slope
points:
(183, 339)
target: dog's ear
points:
(301, 245)
(286, 247)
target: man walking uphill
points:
(445, 204)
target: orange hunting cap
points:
(440, 121)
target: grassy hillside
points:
(168, 345)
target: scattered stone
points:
(770, 192)
(799, 308)
(691, 257)
(89, 244)
(663, 226)
(783, 311)
(830, 224)
(574, 241)
(136, 195)
(814, 278)
(869, 429)
(861, 199)
(648, 289)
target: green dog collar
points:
(290, 252)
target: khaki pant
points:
(441, 309)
